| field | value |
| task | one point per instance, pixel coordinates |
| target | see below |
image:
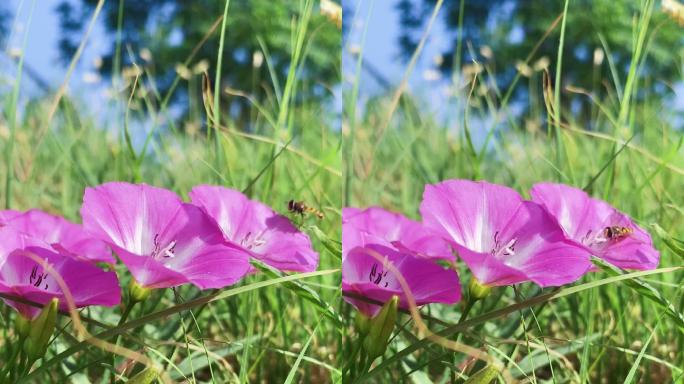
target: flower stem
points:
(124, 317)
(466, 310)
(126, 313)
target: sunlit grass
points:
(631, 155)
(266, 328)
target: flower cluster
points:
(163, 242)
(501, 237)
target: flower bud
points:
(28, 347)
(483, 376)
(381, 327)
(362, 323)
(42, 328)
(22, 326)
(137, 292)
(146, 376)
(478, 291)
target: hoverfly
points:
(616, 232)
(300, 208)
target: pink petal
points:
(254, 226)
(365, 275)
(163, 241)
(22, 276)
(488, 269)
(216, 266)
(150, 272)
(584, 219)
(468, 213)
(129, 215)
(542, 251)
(377, 226)
(503, 239)
(63, 235)
(8, 214)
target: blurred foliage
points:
(161, 34)
(5, 17)
(504, 32)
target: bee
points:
(300, 208)
(616, 232)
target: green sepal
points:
(381, 327)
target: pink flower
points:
(7, 215)
(374, 253)
(24, 277)
(503, 239)
(64, 236)
(255, 227)
(163, 241)
(606, 232)
(378, 226)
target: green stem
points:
(124, 317)
(466, 310)
(126, 313)
(350, 360)
(217, 87)
(10, 363)
(557, 89)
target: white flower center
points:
(168, 251)
(507, 249)
(253, 241)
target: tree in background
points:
(5, 16)
(161, 34)
(504, 32)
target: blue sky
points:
(42, 36)
(41, 33)
(380, 49)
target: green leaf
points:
(198, 360)
(147, 376)
(164, 313)
(293, 370)
(333, 246)
(483, 376)
(645, 290)
(632, 371)
(453, 329)
(675, 245)
(302, 291)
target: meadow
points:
(269, 327)
(610, 326)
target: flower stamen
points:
(376, 276)
(38, 277)
(506, 250)
(168, 252)
(250, 241)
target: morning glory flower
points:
(24, 277)
(502, 238)
(606, 232)
(8, 214)
(378, 226)
(163, 241)
(64, 236)
(371, 253)
(256, 228)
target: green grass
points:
(605, 328)
(264, 329)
